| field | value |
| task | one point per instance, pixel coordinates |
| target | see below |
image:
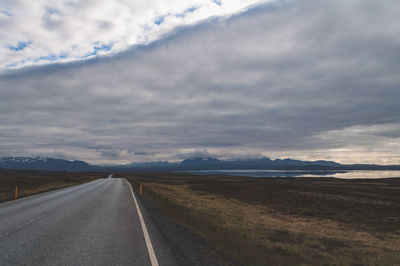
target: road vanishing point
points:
(95, 223)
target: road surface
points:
(95, 223)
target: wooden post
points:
(16, 192)
(140, 190)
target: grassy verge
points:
(313, 223)
(33, 182)
(209, 225)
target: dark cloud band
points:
(293, 76)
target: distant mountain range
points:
(42, 163)
(51, 164)
(278, 164)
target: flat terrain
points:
(284, 220)
(95, 223)
(199, 220)
(32, 182)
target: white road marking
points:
(20, 226)
(150, 249)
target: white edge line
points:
(150, 249)
(20, 225)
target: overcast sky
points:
(123, 81)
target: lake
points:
(350, 174)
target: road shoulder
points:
(187, 248)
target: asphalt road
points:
(95, 223)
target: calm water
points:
(300, 173)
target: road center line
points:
(150, 249)
(20, 225)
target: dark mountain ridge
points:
(51, 164)
(258, 163)
(43, 163)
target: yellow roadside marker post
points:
(16, 192)
(140, 190)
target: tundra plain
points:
(281, 221)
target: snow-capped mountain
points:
(43, 163)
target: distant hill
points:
(258, 163)
(151, 164)
(198, 163)
(42, 163)
(51, 164)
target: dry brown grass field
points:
(33, 182)
(285, 221)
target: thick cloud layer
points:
(305, 79)
(41, 31)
